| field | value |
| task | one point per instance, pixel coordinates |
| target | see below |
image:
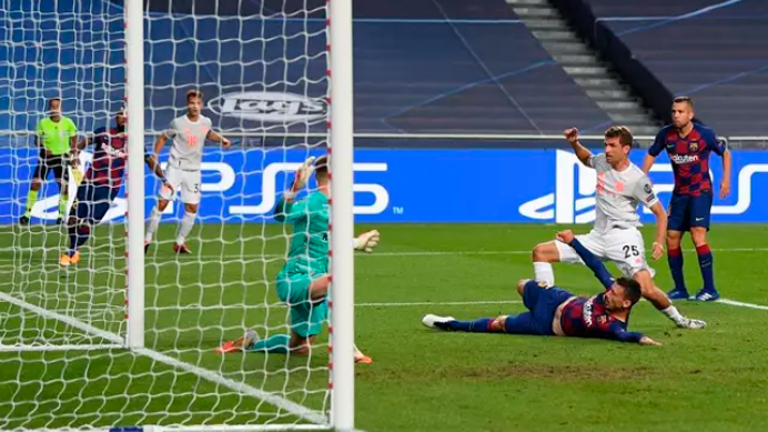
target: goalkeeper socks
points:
(187, 222)
(675, 259)
(31, 200)
(543, 273)
(275, 344)
(154, 221)
(705, 263)
(482, 325)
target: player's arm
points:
(155, 167)
(286, 209)
(572, 135)
(217, 137)
(644, 193)
(653, 152)
(720, 146)
(619, 333)
(167, 134)
(588, 257)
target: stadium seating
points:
(710, 50)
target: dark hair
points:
(321, 165)
(683, 99)
(622, 133)
(194, 93)
(631, 289)
(50, 101)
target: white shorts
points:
(625, 247)
(187, 182)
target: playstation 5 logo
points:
(573, 200)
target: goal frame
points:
(341, 223)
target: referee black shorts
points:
(55, 163)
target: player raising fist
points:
(303, 282)
(621, 186)
(188, 133)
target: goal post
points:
(124, 339)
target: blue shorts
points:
(542, 302)
(686, 211)
(93, 202)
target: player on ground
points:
(56, 134)
(621, 185)
(689, 145)
(100, 185)
(188, 133)
(303, 281)
(556, 312)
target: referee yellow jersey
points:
(56, 136)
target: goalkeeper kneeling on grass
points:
(303, 282)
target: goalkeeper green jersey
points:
(309, 245)
(56, 136)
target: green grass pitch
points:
(421, 380)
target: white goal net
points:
(66, 361)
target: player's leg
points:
(678, 223)
(544, 254)
(701, 207)
(61, 175)
(627, 249)
(166, 195)
(190, 196)
(40, 174)
(77, 223)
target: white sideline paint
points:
(742, 304)
(282, 403)
(151, 259)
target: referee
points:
(56, 134)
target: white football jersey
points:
(188, 142)
(618, 193)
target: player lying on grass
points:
(621, 186)
(555, 312)
(100, 185)
(303, 281)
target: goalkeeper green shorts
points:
(307, 316)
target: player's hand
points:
(645, 340)
(658, 250)
(226, 143)
(572, 135)
(302, 174)
(167, 187)
(725, 188)
(367, 241)
(565, 236)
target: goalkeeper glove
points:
(301, 178)
(367, 241)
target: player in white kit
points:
(183, 171)
(621, 185)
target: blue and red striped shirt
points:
(109, 157)
(689, 157)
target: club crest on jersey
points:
(693, 146)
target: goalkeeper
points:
(303, 282)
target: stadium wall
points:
(643, 82)
(412, 185)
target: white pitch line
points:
(457, 303)
(280, 402)
(742, 304)
(191, 259)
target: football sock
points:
(31, 200)
(543, 273)
(705, 264)
(675, 259)
(481, 325)
(154, 221)
(187, 222)
(275, 344)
